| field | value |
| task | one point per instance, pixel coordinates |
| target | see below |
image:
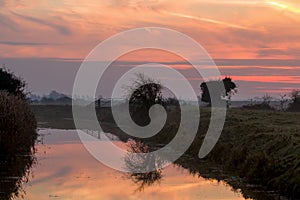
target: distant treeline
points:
(287, 102)
(144, 90)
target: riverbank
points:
(260, 147)
(263, 148)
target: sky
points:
(256, 42)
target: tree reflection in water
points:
(137, 163)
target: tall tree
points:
(223, 92)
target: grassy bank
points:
(259, 147)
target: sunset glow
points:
(230, 29)
(91, 180)
(149, 99)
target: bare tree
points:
(295, 104)
(283, 100)
(267, 99)
(295, 96)
(143, 93)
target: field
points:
(259, 147)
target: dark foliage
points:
(294, 106)
(259, 106)
(17, 126)
(229, 87)
(265, 104)
(12, 84)
(17, 136)
(147, 95)
(137, 160)
(14, 172)
(144, 93)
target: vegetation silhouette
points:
(12, 84)
(268, 103)
(265, 104)
(294, 106)
(216, 88)
(17, 125)
(255, 148)
(137, 160)
(143, 93)
(17, 136)
(14, 173)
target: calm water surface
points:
(65, 170)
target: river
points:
(65, 170)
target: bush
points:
(264, 105)
(17, 136)
(12, 84)
(259, 106)
(295, 105)
(17, 126)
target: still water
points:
(65, 170)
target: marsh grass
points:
(17, 138)
(18, 126)
(262, 147)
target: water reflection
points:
(14, 172)
(135, 162)
(67, 171)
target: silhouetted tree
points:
(295, 104)
(12, 84)
(267, 99)
(143, 93)
(283, 100)
(295, 95)
(229, 86)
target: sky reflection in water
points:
(65, 170)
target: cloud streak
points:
(7, 22)
(11, 43)
(224, 62)
(61, 29)
(208, 20)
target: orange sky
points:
(227, 29)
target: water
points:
(65, 170)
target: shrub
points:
(264, 105)
(17, 126)
(17, 136)
(12, 84)
(294, 106)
